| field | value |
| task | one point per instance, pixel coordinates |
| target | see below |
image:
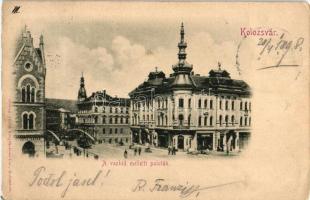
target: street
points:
(112, 151)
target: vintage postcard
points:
(155, 100)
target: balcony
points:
(147, 124)
(180, 125)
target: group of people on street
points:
(136, 150)
(171, 150)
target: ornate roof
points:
(218, 82)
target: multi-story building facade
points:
(191, 112)
(29, 102)
(104, 117)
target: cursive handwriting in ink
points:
(281, 48)
(42, 178)
(184, 190)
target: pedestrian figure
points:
(125, 154)
(135, 151)
(169, 150)
(139, 150)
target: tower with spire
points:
(182, 69)
(82, 91)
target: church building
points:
(29, 72)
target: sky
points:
(118, 57)
(116, 50)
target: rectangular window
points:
(110, 131)
(211, 104)
(103, 131)
(121, 131)
(181, 103)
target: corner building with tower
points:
(104, 117)
(191, 112)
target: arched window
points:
(25, 121)
(189, 103)
(96, 109)
(23, 94)
(233, 105)
(189, 120)
(232, 120)
(241, 121)
(205, 103)
(221, 120)
(226, 105)
(96, 119)
(166, 119)
(127, 119)
(249, 105)
(28, 121)
(246, 106)
(245, 121)
(32, 94)
(211, 121)
(241, 105)
(220, 104)
(158, 120)
(110, 120)
(158, 103)
(199, 103)
(199, 121)
(249, 121)
(122, 120)
(205, 121)
(116, 120)
(28, 93)
(226, 120)
(104, 119)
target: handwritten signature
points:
(281, 47)
(184, 190)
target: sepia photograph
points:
(148, 100)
